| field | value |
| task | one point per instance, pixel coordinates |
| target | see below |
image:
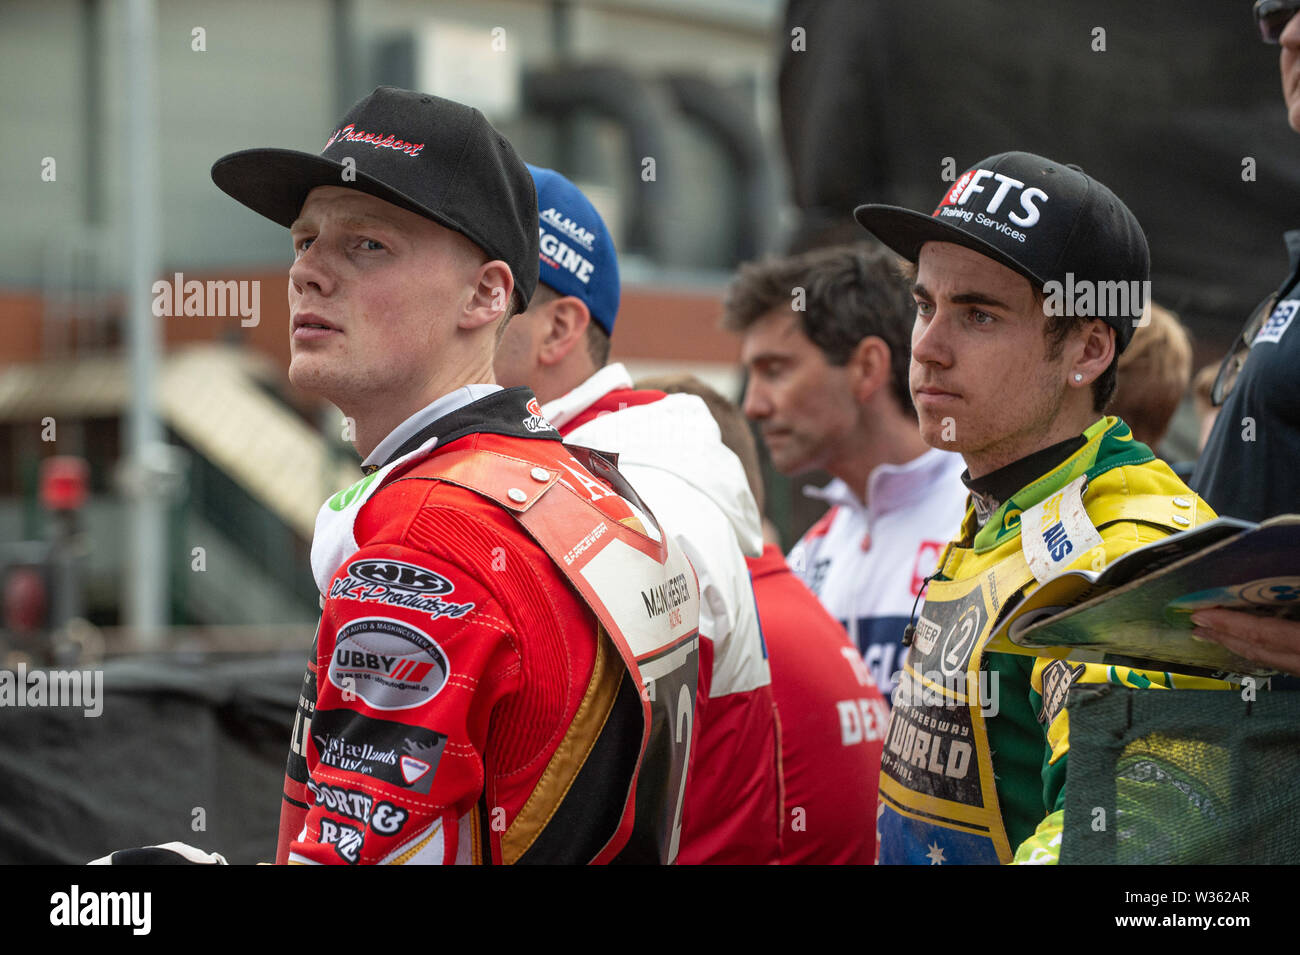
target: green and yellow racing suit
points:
(976, 752)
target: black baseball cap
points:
(429, 155)
(1049, 221)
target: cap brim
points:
(275, 183)
(905, 231)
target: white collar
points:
(836, 494)
(565, 408)
(891, 486)
(424, 417)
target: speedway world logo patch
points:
(388, 664)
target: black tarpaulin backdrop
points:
(1183, 92)
(174, 736)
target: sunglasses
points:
(1233, 361)
(1273, 16)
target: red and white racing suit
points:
(491, 612)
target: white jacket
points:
(672, 454)
(866, 563)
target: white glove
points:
(171, 853)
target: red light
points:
(65, 482)
(25, 600)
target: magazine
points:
(1137, 611)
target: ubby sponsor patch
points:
(388, 664)
(401, 755)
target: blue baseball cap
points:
(577, 253)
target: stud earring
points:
(1078, 377)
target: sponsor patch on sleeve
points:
(377, 815)
(400, 755)
(395, 583)
(1056, 530)
(346, 840)
(388, 664)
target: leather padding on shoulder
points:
(512, 482)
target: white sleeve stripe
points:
(425, 848)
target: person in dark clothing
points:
(1249, 466)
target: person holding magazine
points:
(1015, 376)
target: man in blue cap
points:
(670, 449)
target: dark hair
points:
(597, 344)
(1056, 330)
(849, 292)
